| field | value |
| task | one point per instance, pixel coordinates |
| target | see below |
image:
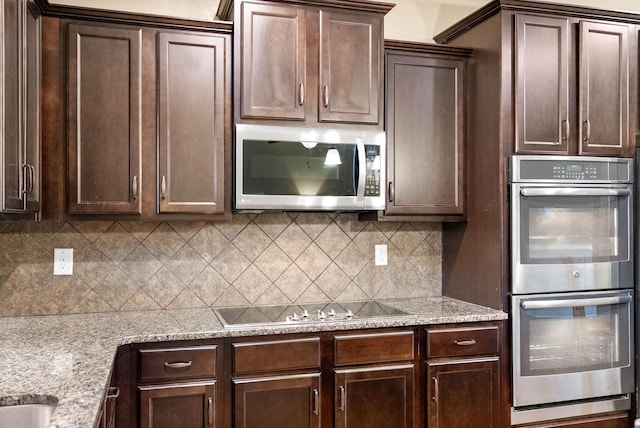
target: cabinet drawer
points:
(373, 348)
(251, 357)
(177, 363)
(462, 341)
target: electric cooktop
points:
(304, 313)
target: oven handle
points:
(569, 303)
(573, 191)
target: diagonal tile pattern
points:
(254, 259)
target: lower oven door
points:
(571, 346)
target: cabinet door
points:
(463, 393)
(425, 132)
(542, 84)
(273, 81)
(604, 89)
(31, 166)
(191, 145)
(10, 122)
(104, 119)
(184, 406)
(350, 68)
(277, 402)
(20, 93)
(375, 397)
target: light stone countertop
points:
(66, 360)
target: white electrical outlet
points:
(63, 261)
(381, 255)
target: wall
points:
(256, 259)
(414, 20)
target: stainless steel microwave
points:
(308, 169)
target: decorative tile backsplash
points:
(255, 259)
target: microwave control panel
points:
(372, 177)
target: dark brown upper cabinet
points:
(425, 119)
(572, 86)
(20, 107)
(104, 119)
(309, 64)
(191, 108)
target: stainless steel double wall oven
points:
(572, 285)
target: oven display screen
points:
(574, 167)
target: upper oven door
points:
(571, 237)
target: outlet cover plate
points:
(381, 255)
(63, 261)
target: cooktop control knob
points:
(332, 313)
(321, 315)
(349, 314)
(305, 314)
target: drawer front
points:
(177, 363)
(373, 348)
(252, 357)
(462, 342)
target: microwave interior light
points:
(308, 144)
(333, 157)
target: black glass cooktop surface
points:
(324, 312)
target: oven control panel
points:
(570, 169)
(576, 171)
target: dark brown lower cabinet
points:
(464, 393)
(378, 397)
(178, 406)
(277, 402)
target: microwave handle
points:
(573, 191)
(362, 170)
(569, 303)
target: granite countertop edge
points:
(66, 360)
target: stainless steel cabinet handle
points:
(436, 389)
(316, 401)
(325, 96)
(391, 191)
(163, 187)
(178, 365)
(210, 411)
(465, 342)
(301, 94)
(567, 130)
(342, 399)
(134, 187)
(29, 178)
(588, 131)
